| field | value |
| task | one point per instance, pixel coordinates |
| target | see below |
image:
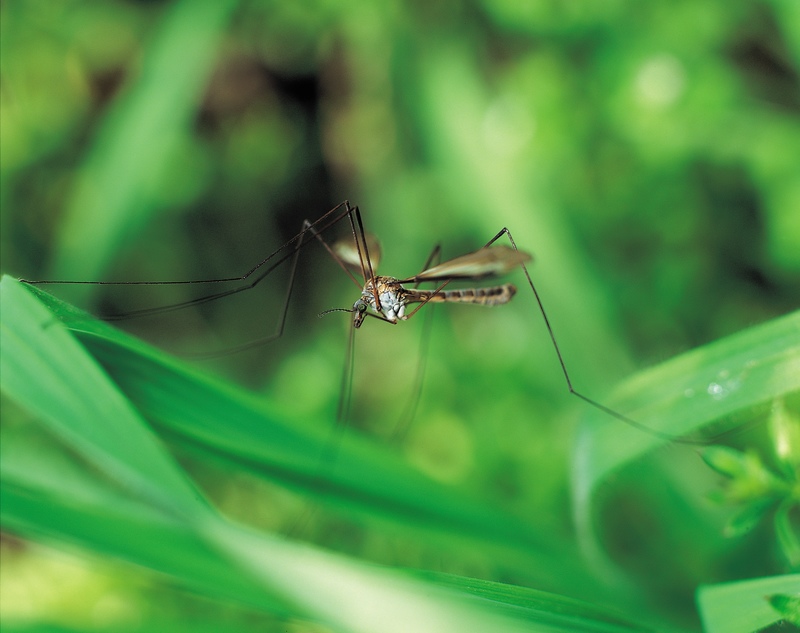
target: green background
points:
(645, 154)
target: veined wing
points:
(346, 250)
(486, 262)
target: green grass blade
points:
(199, 411)
(55, 502)
(533, 605)
(361, 598)
(47, 372)
(49, 495)
(122, 178)
(684, 395)
(743, 607)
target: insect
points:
(384, 298)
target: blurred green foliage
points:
(644, 153)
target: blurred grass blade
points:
(360, 598)
(533, 605)
(49, 374)
(743, 607)
(48, 498)
(787, 532)
(51, 496)
(279, 577)
(199, 411)
(64, 504)
(121, 181)
(788, 606)
(685, 395)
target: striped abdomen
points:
(492, 296)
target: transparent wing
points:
(346, 250)
(486, 262)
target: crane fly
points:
(381, 297)
(387, 298)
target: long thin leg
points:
(307, 227)
(314, 228)
(327, 457)
(435, 255)
(359, 237)
(615, 414)
(345, 395)
(338, 259)
(271, 261)
(346, 389)
(425, 301)
(409, 412)
(568, 380)
(436, 252)
(282, 319)
(366, 262)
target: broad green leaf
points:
(531, 604)
(787, 606)
(59, 502)
(787, 532)
(46, 371)
(743, 607)
(199, 411)
(685, 395)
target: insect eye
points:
(360, 306)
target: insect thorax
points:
(391, 295)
